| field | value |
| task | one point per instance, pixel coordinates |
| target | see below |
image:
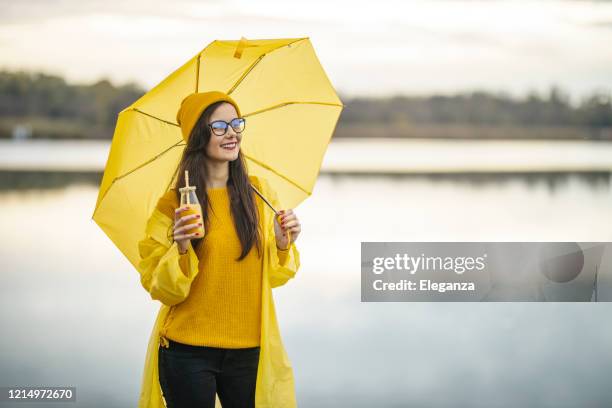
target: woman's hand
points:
(180, 227)
(288, 222)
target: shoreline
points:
(359, 156)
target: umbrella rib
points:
(155, 117)
(280, 105)
(149, 161)
(265, 166)
(136, 168)
(245, 73)
(154, 158)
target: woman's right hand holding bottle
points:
(182, 226)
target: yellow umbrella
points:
(291, 109)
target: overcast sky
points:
(377, 47)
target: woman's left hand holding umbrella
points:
(287, 228)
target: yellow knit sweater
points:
(223, 308)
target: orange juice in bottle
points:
(189, 200)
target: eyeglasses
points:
(219, 127)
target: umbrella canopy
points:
(291, 109)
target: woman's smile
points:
(229, 146)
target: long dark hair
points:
(242, 200)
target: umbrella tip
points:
(240, 47)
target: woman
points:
(217, 332)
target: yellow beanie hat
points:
(194, 104)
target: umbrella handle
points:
(288, 240)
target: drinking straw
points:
(187, 185)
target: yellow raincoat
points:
(162, 277)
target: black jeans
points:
(191, 375)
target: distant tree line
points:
(59, 109)
(37, 95)
(481, 108)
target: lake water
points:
(74, 313)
